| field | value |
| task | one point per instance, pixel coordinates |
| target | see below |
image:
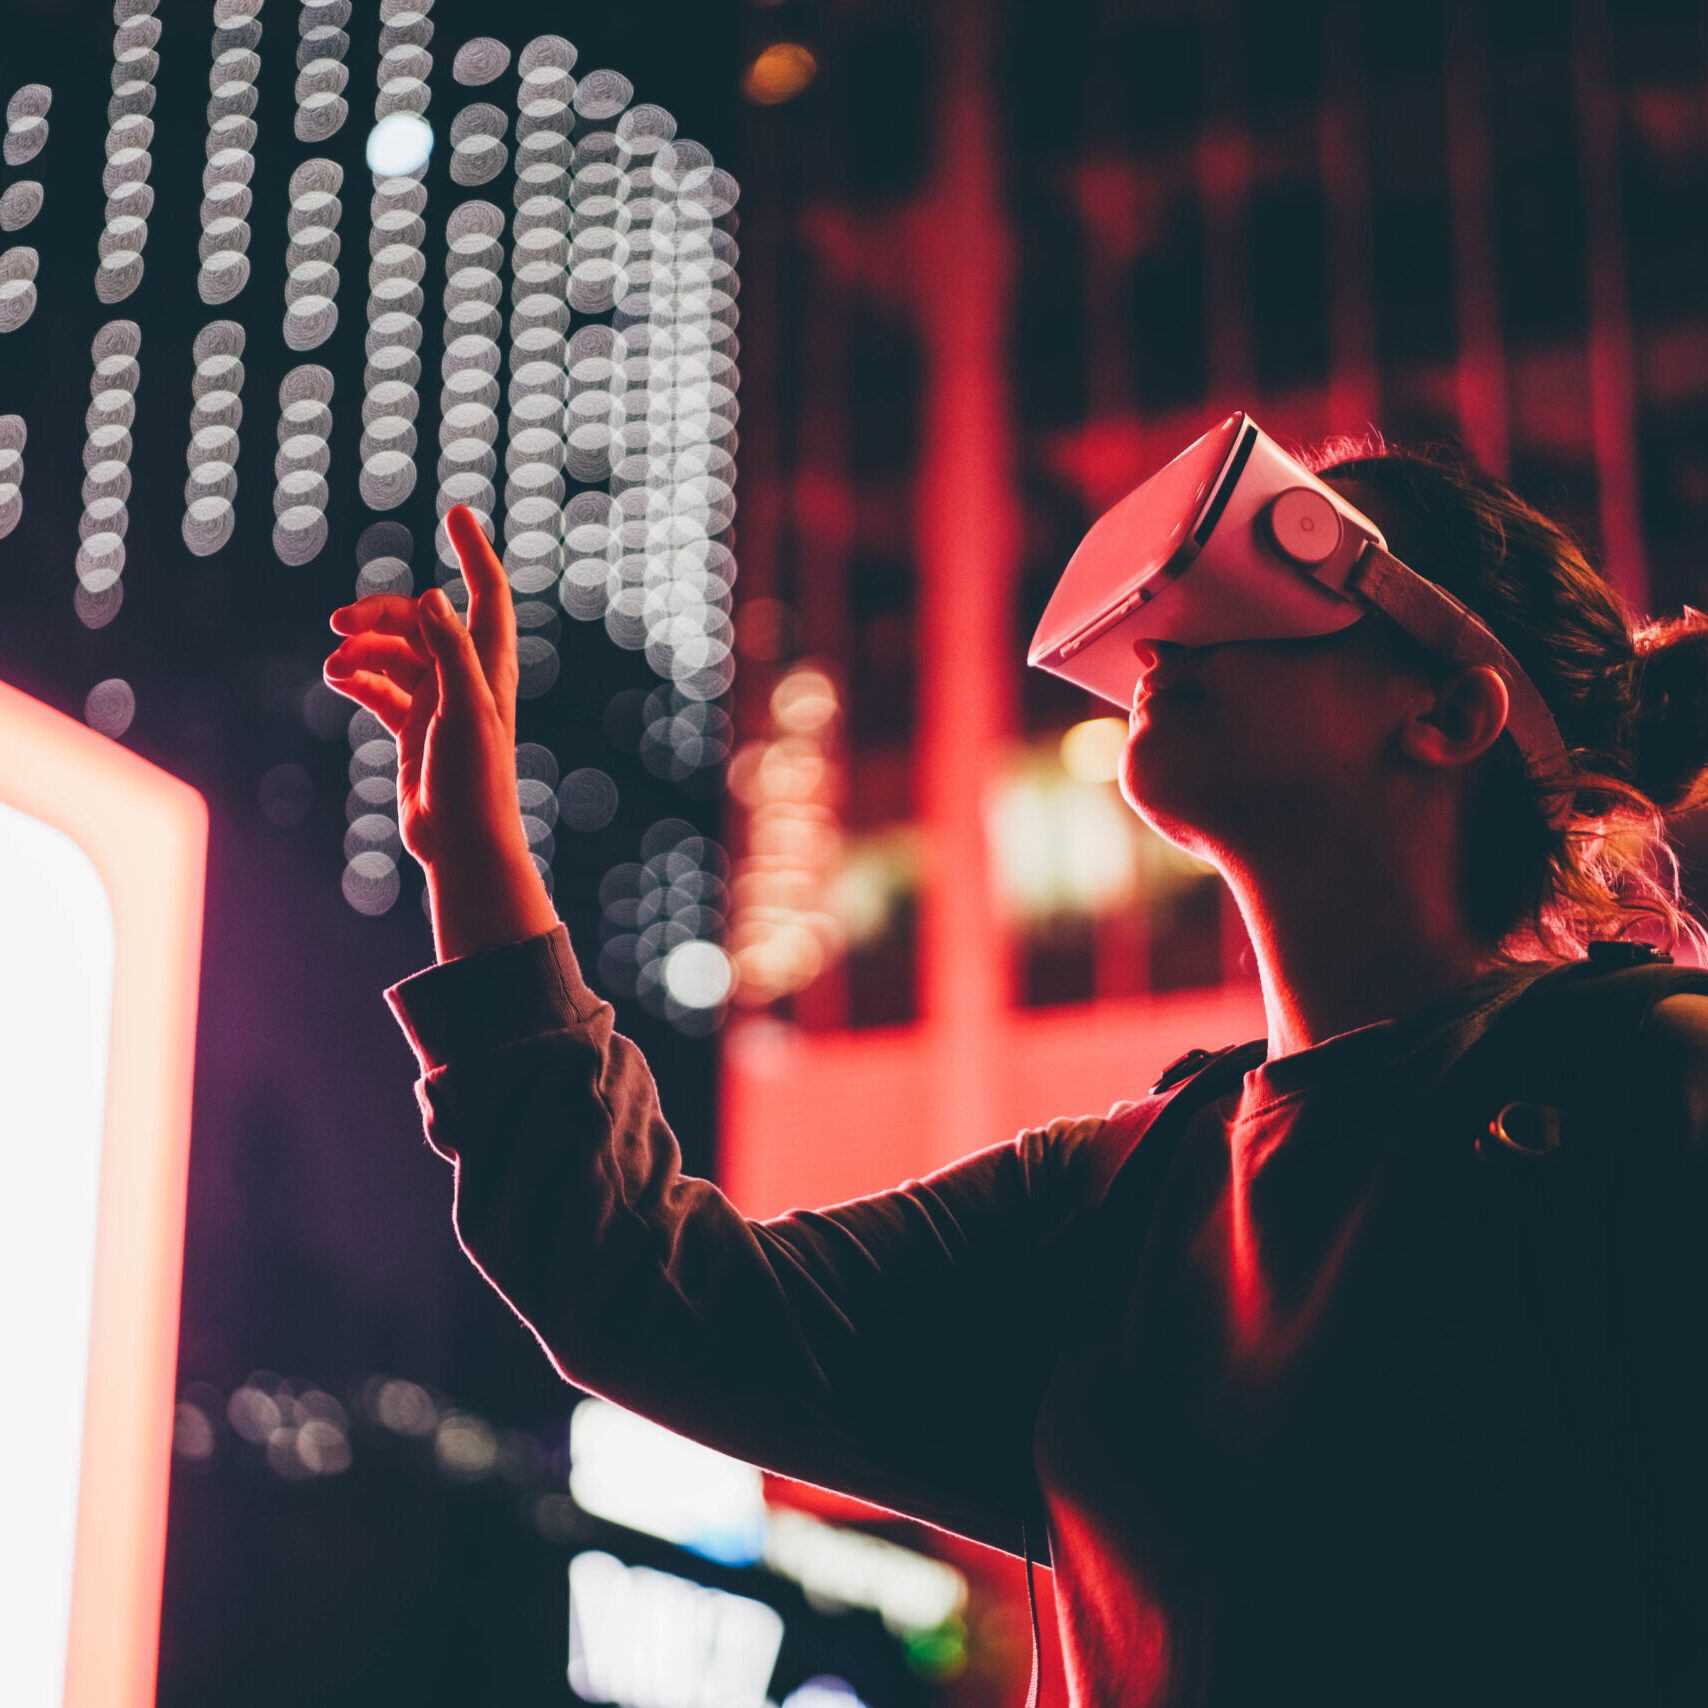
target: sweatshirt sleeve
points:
(893, 1347)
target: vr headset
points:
(1235, 540)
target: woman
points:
(1289, 1417)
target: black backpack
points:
(1538, 1089)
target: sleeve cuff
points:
(494, 997)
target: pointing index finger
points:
(489, 587)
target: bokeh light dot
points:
(110, 706)
(399, 144)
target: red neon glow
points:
(145, 834)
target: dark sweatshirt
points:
(1294, 1414)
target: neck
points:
(1347, 935)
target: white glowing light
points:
(648, 1639)
(399, 144)
(698, 974)
(1060, 845)
(912, 1591)
(639, 1474)
(55, 1001)
(825, 1691)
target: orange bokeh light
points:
(779, 74)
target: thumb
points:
(460, 676)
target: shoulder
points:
(1054, 1150)
(1672, 1065)
(1071, 1161)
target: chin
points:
(1170, 805)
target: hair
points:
(1630, 697)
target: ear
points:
(1459, 720)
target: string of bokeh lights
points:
(226, 197)
(468, 395)
(26, 120)
(130, 131)
(618, 412)
(373, 843)
(311, 254)
(216, 414)
(26, 136)
(18, 268)
(300, 465)
(535, 448)
(13, 434)
(660, 924)
(397, 156)
(786, 929)
(321, 73)
(106, 472)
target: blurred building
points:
(1008, 260)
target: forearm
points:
(483, 900)
(813, 1344)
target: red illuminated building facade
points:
(1008, 261)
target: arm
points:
(893, 1347)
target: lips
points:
(1153, 685)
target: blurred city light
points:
(785, 931)
(911, 1591)
(642, 1638)
(398, 145)
(639, 1474)
(1091, 751)
(1059, 844)
(780, 73)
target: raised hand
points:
(448, 695)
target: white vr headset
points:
(1235, 540)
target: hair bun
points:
(1670, 735)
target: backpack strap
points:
(1551, 1097)
(1567, 1041)
(1185, 1085)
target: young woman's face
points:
(1229, 743)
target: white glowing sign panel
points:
(102, 859)
(641, 1475)
(647, 1639)
(56, 993)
